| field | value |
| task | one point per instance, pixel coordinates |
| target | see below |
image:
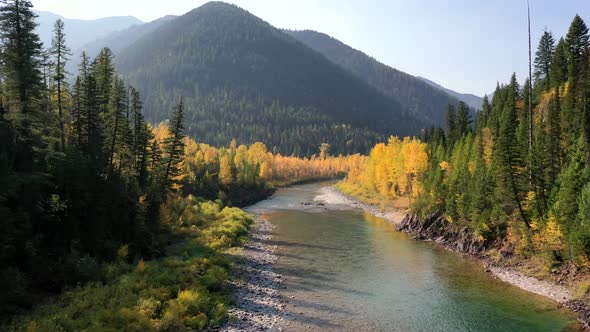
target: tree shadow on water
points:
(313, 281)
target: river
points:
(347, 270)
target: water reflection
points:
(348, 270)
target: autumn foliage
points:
(391, 171)
(238, 173)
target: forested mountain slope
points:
(242, 78)
(421, 99)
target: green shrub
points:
(180, 292)
(218, 314)
(215, 277)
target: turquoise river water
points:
(347, 270)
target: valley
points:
(206, 170)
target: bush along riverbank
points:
(186, 290)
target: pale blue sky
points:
(465, 45)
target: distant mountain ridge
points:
(81, 32)
(423, 100)
(243, 78)
(116, 41)
(471, 100)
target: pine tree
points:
(571, 180)
(141, 141)
(482, 189)
(174, 145)
(156, 156)
(451, 124)
(46, 70)
(577, 41)
(484, 116)
(543, 61)
(90, 108)
(126, 150)
(103, 71)
(138, 124)
(463, 122)
(115, 121)
(144, 139)
(554, 124)
(21, 55)
(78, 116)
(559, 66)
(540, 167)
(61, 53)
(508, 159)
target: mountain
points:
(81, 32)
(472, 100)
(422, 100)
(242, 78)
(121, 39)
(116, 41)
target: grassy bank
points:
(184, 290)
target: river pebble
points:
(259, 306)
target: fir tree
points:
(61, 53)
(571, 180)
(484, 116)
(21, 55)
(90, 108)
(174, 145)
(138, 124)
(558, 72)
(543, 60)
(103, 71)
(577, 41)
(451, 124)
(463, 122)
(115, 121)
(554, 134)
(78, 116)
(509, 162)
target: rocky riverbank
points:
(435, 228)
(333, 197)
(258, 306)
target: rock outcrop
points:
(435, 227)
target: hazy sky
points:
(465, 45)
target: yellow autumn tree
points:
(265, 170)
(251, 164)
(225, 174)
(391, 170)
